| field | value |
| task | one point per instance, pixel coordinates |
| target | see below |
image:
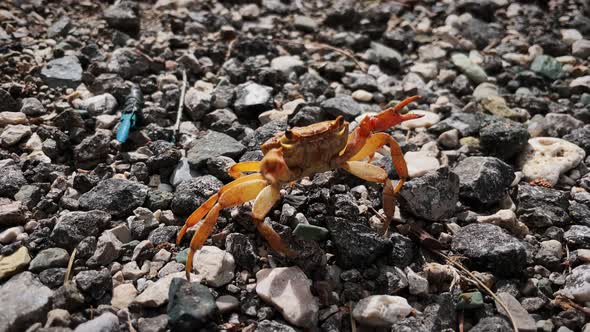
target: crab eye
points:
(338, 121)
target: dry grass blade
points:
(70, 265)
(474, 280)
(344, 52)
(180, 104)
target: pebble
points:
(13, 134)
(305, 23)
(25, 300)
(52, 257)
(32, 107)
(423, 161)
(546, 66)
(227, 303)
(417, 284)
(10, 234)
(62, 72)
(288, 289)
(213, 144)
(428, 119)
(490, 248)
(497, 106)
(362, 96)
(581, 48)
(190, 306)
(546, 158)
(97, 105)
(381, 310)
(342, 105)
(12, 212)
(252, 98)
(578, 84)
(156, 294)
(14, 263)
(483, 180)
(506, 219)
(214, 265)
(449, 139)
(105, 322)
(522, 319)
(474, 72)
(117, 197)
(287, 64)
(13, 118)
(123, 295)
(485, 90)
(427, 70)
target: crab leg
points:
(265, 200)
(238, 169)
(373, 173)
(236, 195)
(202, 211)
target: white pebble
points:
(381, 310)
(428, 119)
(362, 95)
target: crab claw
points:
(389, 117)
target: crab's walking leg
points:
(202, 211)
(373, 173)
(238, 169)
(265, 200)
(236, 195)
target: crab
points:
(301, 152)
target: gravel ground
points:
(498, 165)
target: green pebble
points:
(310, 232)
(547, 66)
(181, 256)
(472, 300)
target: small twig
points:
(325, 46)
(566, 303)
(461, 319)
(230, 47)
(475, 280)
(567, 257)
(70, 265)
(180, 105)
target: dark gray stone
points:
(483, 180)
(107, 322)
(388, 57)
(73, 227)
(118, 197)
(342, 105)
(468, 124)
(189, 195)
(433, 196)
(124, 16)
(53, 277)
(220, 120)
(490, 248)
(580, 137)
(252, 99)
(272, 326)
(164, 234)
(190, 305)
(128, 62)
(64, 72)
(578, 236)
(94, 283)
(60, 27)
(263, 133)
(213, 144)
(542, 207)
(11, 178)
(52, 257)
(7, 102)
(165, 155)
(93, 149)
(503, 138)
(32, 107)
(25, 301)
(356, 244)
(403, 250)
(241, 247)
(492, 324)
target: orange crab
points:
(297, 153)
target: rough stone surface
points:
(490, 248)
(432, 196)
(381, 310)
(483, 180)
(190, 306)
(288, 289)
(62, 72)
(213, 144)
(214, 265)
(117, 197)
(25, 301)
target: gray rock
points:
(473, 71)
(189, 195)
(252, 99)
(153, 324)
(8, 104)
(105, 103)
(190, 305)
(287, 64)
(503, 138)
(123, 16)
(483, 180)
(13, 134)
(262, 134)
(577, 284)
(93, 149)
(387, 57)
(241, 247)
(117, 197)
(213, 144)
(94, 283)
(24, 301)
(273, 326)
(580, 137)
(356, 243)
(522, 319)
(60, 27)
(342, 105)
(63, 72)
(467, 124)
(182, 172)
(578, 236)
(220, 120)
(107, 322)
(490, 248)
(73, 227)
(165, 234)
(108, 249)
(403, 251)
(32, 107)
(433, 196)
(581, 48)
(11, 178)
(127, 62)
(305, 23)
(52, 257)
(542, 207)
(492, 324)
